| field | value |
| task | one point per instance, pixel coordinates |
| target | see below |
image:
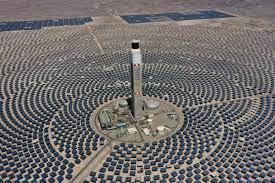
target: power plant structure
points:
(137, 118)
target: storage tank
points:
(152, 104)
(123, 103)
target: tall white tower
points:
(136, 71)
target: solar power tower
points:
(136, 71)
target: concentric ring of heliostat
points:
(220, 78)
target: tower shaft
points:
(136, 71)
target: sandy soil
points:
(33, 9)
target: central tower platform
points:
(158, 119)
